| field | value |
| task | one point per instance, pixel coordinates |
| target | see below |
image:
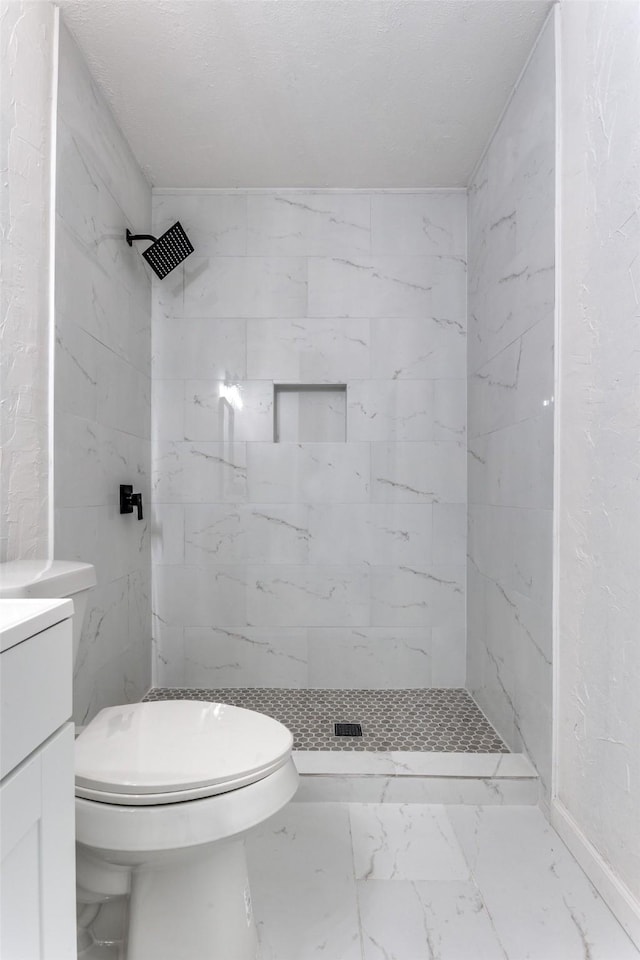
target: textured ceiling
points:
(320, 93)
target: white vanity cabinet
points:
(37, 825)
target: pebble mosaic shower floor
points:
(429, 720)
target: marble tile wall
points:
(102, 387)
(510, 407)
(311, 563)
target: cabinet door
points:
(37, 840)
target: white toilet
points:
(165, 794)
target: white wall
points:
(598, 500)
(27, 56)
(102, 386)
(510, 409)
(326, 564)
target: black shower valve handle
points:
(130, 500)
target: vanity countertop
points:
(21, 619)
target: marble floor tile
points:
(397, 841)
(302, 884)
(542, 904)
(409, 920)
(353, 881)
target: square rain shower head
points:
(168, 251)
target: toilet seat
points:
(171, 751)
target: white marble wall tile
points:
(199, 349)
(511, 306)
(168, 653)
(98, 301)
(230, 533)
(308, 472)
(321, 910)
(135, 664)
(124, 396)
(93, 216)
(167, 410)
(168, 295)
(199, 596)
(449, 543)
(552, 899)
(516, 384)
(490, 540)
(314, 596)
(216, 224)
(531, 572)
(404, 920)
(512, 216)
(370, 657)
(426, 596)
(167, 533)
(386, 287)
(228, 410)
(102, 423)
(90, 459)
(418, 472)
(139, 607)
(419, 224)
(100, 535)
(309, 225)
(315, 508)
(77, 364)
(449, 656)
(311, 350)
(245, 657)
(370, 533)
(496, 537)
(397, 410)
(419, 349)
(199, 472)
(245, 287)
(99, 138)
(513, 467)
(104, 637)
(449, 410)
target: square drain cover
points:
(348, 729)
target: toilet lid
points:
(174, 746)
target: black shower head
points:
(167, 251)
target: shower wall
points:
(334, 558)
(102, 386)
(511, 376)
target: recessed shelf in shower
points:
(315, 412)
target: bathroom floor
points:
(428, 720)
(424, 882)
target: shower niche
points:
(309, 412)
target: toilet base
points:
(195, 907)
(181, 867)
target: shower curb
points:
(402, 777)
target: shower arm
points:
(138, 236)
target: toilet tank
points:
(50, 579)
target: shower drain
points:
(348, 729)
